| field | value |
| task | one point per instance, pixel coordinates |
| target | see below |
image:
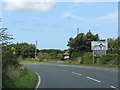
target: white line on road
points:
(63, 65)
(77, 73)
(112, 87)
(63, 70)
(59, 69)
(94, 79)
(39, 81)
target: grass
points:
(72, 63)
(19, 77)
(28, 61)
(26, 81)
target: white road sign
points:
(99, 45)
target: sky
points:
(53, 23)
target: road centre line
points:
(63, 70)
(93, 79)
(39, 81)
(59, 69)
(77, 73)
(113, 87)
(63, 65)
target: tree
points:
(113, 45)
(4, 36)
(7, 56)
(24, 50)
(82, 42)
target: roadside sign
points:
(99, 45)
(99, 53)
(99, 48)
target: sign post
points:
(93, 57)
(99, 48)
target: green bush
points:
(28, 80)
(9, 59)
(110, 59)
(44, 57)
(87, 58)
(11, 74)
(41, 57)
(75, 55)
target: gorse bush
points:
(87, 58)
(51, 56)
(44, 57)
(9, 59)
(111, 59)
(24, 50)
(75, 55)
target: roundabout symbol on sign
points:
(101, 45)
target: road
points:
(74, 76)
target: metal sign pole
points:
(105, 52)
(93, 57)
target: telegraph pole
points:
(36, 50)
(0, 55)
(77, 31)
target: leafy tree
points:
(24, 50)
(54, 53)
(113, 45)
(82, 42)
(4, 36)
(7, 56)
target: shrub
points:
(11, 74)
(111, 59)
(87, 58)
(44, 57)
(75, 55)
(9, 59)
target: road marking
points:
(112, 87)
(59, 69)
(63, 65)
(77, 73)
(94, 79)
(63, 70)
(39, 81)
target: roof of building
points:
(66, 53)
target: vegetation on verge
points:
(14, 75)
(17, 79)
(80, 52)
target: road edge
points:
(38, 82)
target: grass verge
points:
(26, 81)
(29, 61)
(72, 63)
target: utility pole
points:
(77, 31)
(36, 50)
(0, 66)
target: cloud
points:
(108, 17)
(76, 3)
(37, 5)
(112, 15)
(71, 15)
